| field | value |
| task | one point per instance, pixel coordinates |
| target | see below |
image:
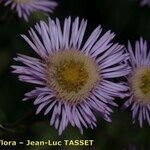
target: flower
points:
(131, 147)
(139, 82)
(24, 8)
(74, 80)
(145, 2)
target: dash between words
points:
(48, 142)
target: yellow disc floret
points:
(145, 82)
(72, 75)
(141, 84)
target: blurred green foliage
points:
(124, 17)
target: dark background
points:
(124, 17)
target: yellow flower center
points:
(145, 82)
(141, 84)
(72, 75)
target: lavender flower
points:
(130, 147)
(139, 82)
(24, 8)
(73, 79)
(133, 147)
(145, 2)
